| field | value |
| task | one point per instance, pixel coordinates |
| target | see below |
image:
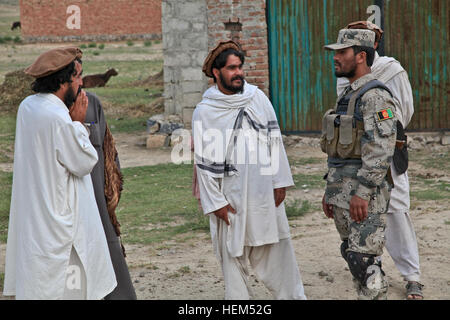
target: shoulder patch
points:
(385, 114)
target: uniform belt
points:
(337, 162)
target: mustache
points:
(238, 77)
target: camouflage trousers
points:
(365, 237)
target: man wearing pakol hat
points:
(401, 242)
(243, 173)
(56, 246)
(359, 135)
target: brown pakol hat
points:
(222, 46)
(53, 60)
(367, 25)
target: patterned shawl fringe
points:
(113, 181)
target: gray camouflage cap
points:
(353, 37)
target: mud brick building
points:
(71, 20)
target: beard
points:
(347, 74)
(70, 96)
(229, 86)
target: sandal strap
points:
(414, 288)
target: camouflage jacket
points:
(367, 180)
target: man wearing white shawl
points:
(243, 172)
(401, 241)
(56, 245)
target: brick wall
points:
(250, 17)
(90, 19)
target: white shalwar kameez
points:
(242, 173)
(53, 209)
(401, 241)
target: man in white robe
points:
(243, 173)
(56, 247)
(401, 241)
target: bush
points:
(17, 39)
(147, 43)
(130, 43)
(83, 46)
(92, 45)
(101, 46)
(96, 53)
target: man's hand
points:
(327, 208)
(222, 213)
(279, 195)
(358, 208)
(79, 108)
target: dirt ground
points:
(189, 270)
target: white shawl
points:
(218, 118)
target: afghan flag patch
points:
(385, 114)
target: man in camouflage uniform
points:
(401, 240)
(357, 191)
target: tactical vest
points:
(343, 126)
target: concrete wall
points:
(185, 46)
